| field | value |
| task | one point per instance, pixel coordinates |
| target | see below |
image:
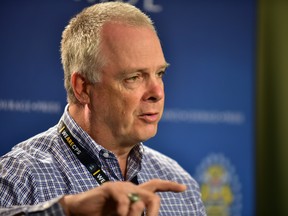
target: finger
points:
(119, 196)
(158, 185)
(136, 208)
(123, 205)
(152, 204)
(149, 199)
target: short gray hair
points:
(81, 39)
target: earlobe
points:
(79, 85)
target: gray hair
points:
(81, 39)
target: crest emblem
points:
(219, 186)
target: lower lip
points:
(149, 118)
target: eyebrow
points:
(132, 70)
(165, 66)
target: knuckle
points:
(138, 206)
(156, 199)
(124, 202)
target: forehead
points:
(119, 28)
(125, 44)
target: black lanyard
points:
(82, 155)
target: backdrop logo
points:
(219, 186)
(52, 107)
(204, 116)
(148, 5)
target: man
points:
(93, 162)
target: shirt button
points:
(141, 150)
(106, 154)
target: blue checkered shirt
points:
(40, 170)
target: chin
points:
(147, 136)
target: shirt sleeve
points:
(18, 191)
(49, 208)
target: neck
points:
(122, 160)
(81, 115)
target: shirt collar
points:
(80, 135)
(96, 150)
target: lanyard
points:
(82, 155)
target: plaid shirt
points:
(40, 170)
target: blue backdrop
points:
(208, 124)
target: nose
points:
(154, 90)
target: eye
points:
(133, 78)
(161, 74)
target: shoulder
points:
(166, 167)
(34, 148)
(158, 157)
(21, 168)
(158, 165)
(33, 154)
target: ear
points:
(80, 85)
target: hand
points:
(112, 199)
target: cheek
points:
(129, 109)
(117, 101)
(128, 106)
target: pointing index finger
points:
(158, 185)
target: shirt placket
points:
(111, 166)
